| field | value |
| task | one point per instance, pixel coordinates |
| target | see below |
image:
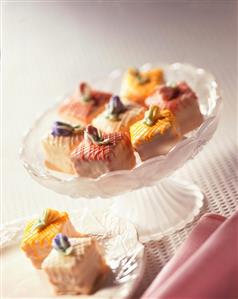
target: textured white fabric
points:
(49, 46)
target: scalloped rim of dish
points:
(197, 132)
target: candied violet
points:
(61, 243)
(62, 129)
(115, 107)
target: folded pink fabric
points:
(206, 265)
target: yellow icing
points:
(140, 132)
(137, 91)
(37, 239)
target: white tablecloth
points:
(47, 47)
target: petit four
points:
(138, 85)
(39, 233)
(117, 116)
(183, 103)
(74, 265)
(59, 144)
(156, 134)
(84, 105)
(101, 152)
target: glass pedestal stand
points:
(169, 204)
(160, 209)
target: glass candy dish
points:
(168, 203)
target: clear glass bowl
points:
(145, 173)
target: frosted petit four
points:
(84, 105)
(101, 152)
(182, 101)
(39, 233)
(75, 265)
(59, 144)
(118, 116)
(137, 85)
(156, 134)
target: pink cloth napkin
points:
(205, 266)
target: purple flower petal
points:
(62, 129)
(115, 106)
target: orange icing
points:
(136, 91)
(36, 239)
(141, 132)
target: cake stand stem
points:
(161, 209)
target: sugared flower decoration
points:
(61, 244)
(94, 135)
(63, 129)
(114, 108)
(174, 91)
(141, 78)
(86, 92)
(152, 115)
(48, 216)
(170, 92)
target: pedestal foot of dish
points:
(161, 209)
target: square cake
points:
(156, 134)
(59, 144)
(101, 152)
(84, 105)
(138, 85)
(75, 265)
(39, 233)
(182, 101)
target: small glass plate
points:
(123, 253)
